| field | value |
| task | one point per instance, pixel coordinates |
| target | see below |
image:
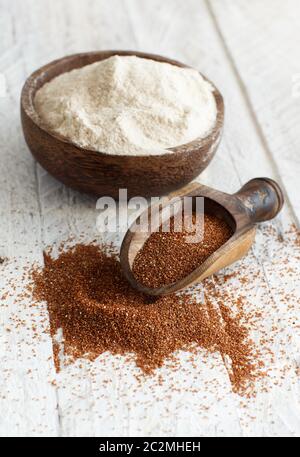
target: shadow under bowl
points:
(98, 173)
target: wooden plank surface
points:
(239, 50)
(261, 41)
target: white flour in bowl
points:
(128, 105)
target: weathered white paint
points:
(262, 43)
(236, 44)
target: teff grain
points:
(98, 311)
(167, 257)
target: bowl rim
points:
(29, 90)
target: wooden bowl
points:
(99, 173)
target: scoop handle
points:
(262, 198)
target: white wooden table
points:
(251, 51)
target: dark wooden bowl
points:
(99, 173)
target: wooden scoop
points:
(258, 200)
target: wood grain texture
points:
(261, 42)
(103, 398)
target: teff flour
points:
(128, 105)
